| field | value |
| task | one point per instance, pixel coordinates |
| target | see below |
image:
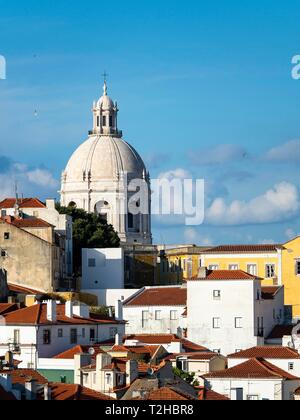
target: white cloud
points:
(278, 204)
(219, 155)
(287, 152)
(42, 177)
(193, 236)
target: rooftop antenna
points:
(17, 207)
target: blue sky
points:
(202, 86)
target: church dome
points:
(106, 102)
(105, 158)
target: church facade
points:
(101, 174)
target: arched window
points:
(72, 204)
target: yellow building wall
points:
(291, 281)
(195, 264)
(243, 263)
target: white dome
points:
(104, 157)
(106, 103)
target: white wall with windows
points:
(230, 315)
(154, 319)
(102, 269)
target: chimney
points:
(119, 311)
(81, 310)
(31, 390)
(69, 309)
(202, 273)
(80, 361)
(50, 204)
(9, 359)
(102, 360)
(51, 311)
(132, 372)
(118, 340)
(47, 392)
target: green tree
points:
(187, 377)
(89, 231)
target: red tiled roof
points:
(30, 223)
(15, 288)
(168, 394)
(209, 395)
(69, 354)
(5, 308)
(24, 203)
(268, 293)
(226, 275)
(161, 339)
(69, 392)
(297, 392)
(6, 396)
(119, 349)
(169, 296)
(21, 376)
(150, 350)
(280, 331)
(37, 315)
(244, 249)
(253, 368)
(267, 352)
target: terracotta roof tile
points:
(169, 296)
(267, 352)
(21, 376)
(69, 392)
(253, 368)
(244, 249)
(5, 308)
(225, 275)
(209, 395)
(15, 288)
(37, 315)
(161, 339)
(24, 203)
(30, 223)
(69, 354)
(168, 394)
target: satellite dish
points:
(150, 372)
(91, 351)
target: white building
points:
(229, 311)
(33, 207)
(255, 379)
(284, 358)
(98, 177)
(156, 310)
(45, 330)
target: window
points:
(291, 366)
(213, 267)
(3, 253)
(6, 236)
(3, 213)
(73, 336)
(60, 333)
(145, 318)
(216, 323)
(252, 269)
(233, 267)
(173, 315)
(297, 268)
(270, 271)
(110, 121)
(182, 364)
(92, 262)
(217, 294)
(238, 322)
(47, 337)
(104, 121)
(157, 315)
(83, 332)
(108, 377)
(92, 334)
